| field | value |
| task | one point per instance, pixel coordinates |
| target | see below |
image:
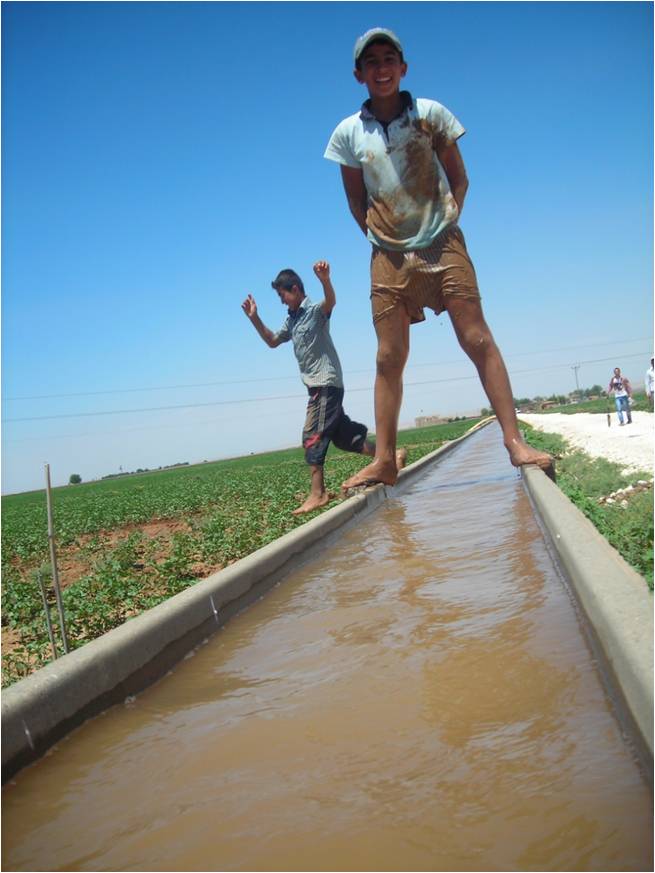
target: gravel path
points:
(630, 445)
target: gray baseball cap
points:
(373, 34)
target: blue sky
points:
(162, 160)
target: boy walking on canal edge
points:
(307, 325)
(405, 183)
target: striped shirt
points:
(309, 329)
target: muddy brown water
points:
(421, 696)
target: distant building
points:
(428, 420)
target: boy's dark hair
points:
(287, 279)
(379, 41)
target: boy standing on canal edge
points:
(405, 182)
(307, 325)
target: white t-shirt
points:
(617, 385)
(409, 198)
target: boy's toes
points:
(549, 470)
(313, 503)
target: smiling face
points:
(381, 69)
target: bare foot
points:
(520, 454)
(313, 502)
(401, 458)
(374, 473)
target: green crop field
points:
(125, 544)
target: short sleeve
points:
(284, 333)
(444, 122)
(319, 315)
(339, 148)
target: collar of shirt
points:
(304, 303)
(407, 103)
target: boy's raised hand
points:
(322, 270)
(249, 306)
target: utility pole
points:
(575, 369)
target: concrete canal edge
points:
(615, 601)
(41, 709)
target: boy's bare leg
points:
(393, 349)
(475, 338)
(318, 496)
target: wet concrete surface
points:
(419, 697)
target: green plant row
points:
(629, 529)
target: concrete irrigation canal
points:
(423, 693)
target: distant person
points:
(308, 326)
(649, 382)
(620, 387)
(405, 183)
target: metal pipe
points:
(53, 560)
(48, 620)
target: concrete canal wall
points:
(615, 601)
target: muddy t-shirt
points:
(409, 198)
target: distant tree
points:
(75, 479)
(485, 413)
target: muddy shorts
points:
(422, 277)
(326, 422)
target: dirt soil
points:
(630, 445)
(73, 561)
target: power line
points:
(294, 376)
(284, 396)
